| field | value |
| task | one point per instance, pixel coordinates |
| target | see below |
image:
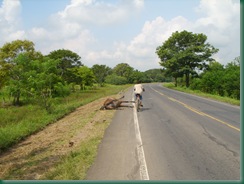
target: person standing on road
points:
(138, 89)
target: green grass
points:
(19, 122)
(206, 95)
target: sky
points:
(109, 32)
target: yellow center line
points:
(197, 111)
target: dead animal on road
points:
(113, 103)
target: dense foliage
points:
(184, 53)
(28, 76)
(43, 84)
(220, 80)
(186, 57)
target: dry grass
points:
(40, 153)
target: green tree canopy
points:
(10, 51)
(212, 79)
(124, 70)
(101, 72)
(155, 75)
(35, 78)
(232, 78)
(115, 79)
(83, 76)
(184, 53)
(67, 59)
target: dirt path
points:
(33, 157)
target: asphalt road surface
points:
(176, 136)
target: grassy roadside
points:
(20, 122)
(206, 95)
(46, 155)
(53, 159)
(74, 165)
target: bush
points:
(196, 84)
(115, 80)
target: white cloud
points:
(99, 12)
(68, 28)
(9, 10)
(218, 13)
(78, 40)
(154, 33)
(140, 51)
(221, 23)
(10, 21)
(71, 29)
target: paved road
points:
(176, 136)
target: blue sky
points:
(120, 31)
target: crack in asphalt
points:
(135, 168)
(214, 139)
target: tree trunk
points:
(187, 80)
(175, 81)
(16, 101)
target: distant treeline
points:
(28, 74)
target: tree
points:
(155, 75)
(35, 78)
(68, 59)
(138, 76)
(18, 77)
(184, 53)
(45, 81)
(124, 70)
(231, 79)
(10, 51)
(115, 79)
(212, 79)
(83, 76)
(101, 72)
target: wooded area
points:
(46, 87)
(187, 57)
(27, 75)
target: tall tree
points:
(67, 59)
(45, 81)
(10, 51)
(124, 70)
(83, 76)
(101, 72)
(34, 78)
(184, 53)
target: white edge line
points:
(140, 151)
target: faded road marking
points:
(197, 111)
(140, 151)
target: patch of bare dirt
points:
(38, 153)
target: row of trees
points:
(24, 72)
(188, 57)
(219, 79)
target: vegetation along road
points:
(176, 136)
